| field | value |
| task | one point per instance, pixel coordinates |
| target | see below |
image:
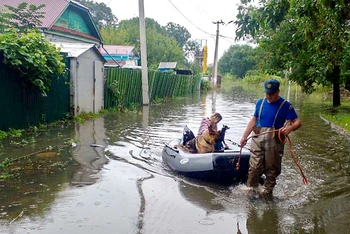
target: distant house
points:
(120, 55)
(167, 66)
(65, 21)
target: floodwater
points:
(64, 185)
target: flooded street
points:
(113, 180)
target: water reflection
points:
(263, 220)
(201, 196)
(89, 152)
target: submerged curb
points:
(336, 127)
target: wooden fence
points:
(23, 105)
(124, 86)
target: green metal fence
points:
(23, 105)
(124, 86)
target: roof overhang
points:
(74, 50)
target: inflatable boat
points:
(218, 166)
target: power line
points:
(226, 37)
(200, 9)
(210, 34)
(189, 19)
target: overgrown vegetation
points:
(238, 60)
(25, 51)
(101, 14)
(22, 18)
(205, 85)
(339, 115)
(82, 117)
(310, 38)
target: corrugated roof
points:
(117, 49)
(167, 65)
(53, 9)
(74, 50)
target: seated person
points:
(208, 124)
(213, 123)
(204, 143)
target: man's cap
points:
(271, 86)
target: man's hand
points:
(286, 130)
(243, 141)
(295, 124)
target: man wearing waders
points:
(271, 113)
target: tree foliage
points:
(310, 37)
(32, 56)
(160, 47)
(21, 18)
(25, 50)
(102, 14)
(180, 33)
(237, 60)
(192, 48)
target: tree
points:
(160, 47)
(237, 60)
(311, 37)
(22, 18)
(180, 33)
(102, 14)
(191, 49)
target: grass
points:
(339, 115)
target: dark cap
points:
(271, 86)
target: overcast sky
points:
(197, 16)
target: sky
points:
(197, 16)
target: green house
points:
(64, 20)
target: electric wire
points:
(189, 19)
(210, 34)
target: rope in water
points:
(280, 137)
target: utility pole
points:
(145, 91)
(215, 68)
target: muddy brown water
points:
(123, 187)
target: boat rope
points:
(284, 141)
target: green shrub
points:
(32, 57)
(3, 135)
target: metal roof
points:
(52, 10)
(118, 49)
(74, 50)
(170, 65)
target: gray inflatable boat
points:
(217, 166)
